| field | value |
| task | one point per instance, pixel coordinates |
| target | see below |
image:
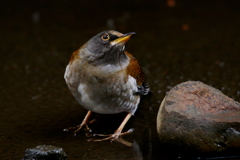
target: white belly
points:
(109, 99)
(88, 102)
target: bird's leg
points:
(84, 123)
(117, 133)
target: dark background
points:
(189, 40)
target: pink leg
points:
(117, 133)
(84, 123)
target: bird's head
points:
(106, 47)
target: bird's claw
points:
(78, 128)
(120, 140)
(112, 137)
(115, 134)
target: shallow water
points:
(192, 41)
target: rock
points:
(198, 117)
(45, 152)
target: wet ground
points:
(195, 40)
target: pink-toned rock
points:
(199, 117)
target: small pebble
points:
(45, 152)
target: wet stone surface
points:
(45, 152)
(197, 40)
(198, 117)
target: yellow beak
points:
(123, 40)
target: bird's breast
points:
(105, 92)
(110, 95)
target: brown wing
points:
(136, 72)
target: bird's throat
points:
(112, 57)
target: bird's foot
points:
(84, 123)
(78, 128)
(113, 137)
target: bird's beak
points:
(123, 40)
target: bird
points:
(106, 79)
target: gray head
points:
(107, 47)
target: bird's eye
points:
(105, 37)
